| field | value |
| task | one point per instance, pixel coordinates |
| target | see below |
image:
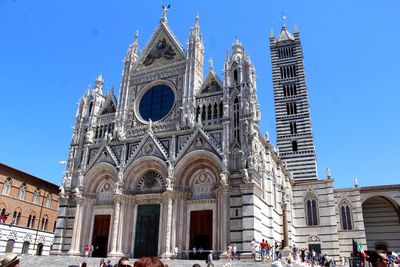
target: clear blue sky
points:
(51, 50)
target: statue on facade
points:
(118, 188)
(62, 192)
(223, 179)
(78, 192)
(246, 177)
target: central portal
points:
(201, 229)
(100, 235)
(146, 237)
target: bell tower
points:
(292, 111)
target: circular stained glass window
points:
(156, 103)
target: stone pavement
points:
(65, 261)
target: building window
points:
(48, 201)
(311, 210)
(43, 223)
(235, 77)
(288, 72)
(31, 221)
(21, 192)
(157, 102)
(10, 245)
(345, 216)
(7, 186)
(16, 218)
(236, 120)
(291, 108)
(25, 247)
(294, 146)
(289, 90)
(35, 197)
(293, 127)
(285, 52)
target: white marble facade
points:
(202, 155)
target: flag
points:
(357, 247)
(3, 217)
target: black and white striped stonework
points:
(292, 112)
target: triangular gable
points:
(149, 146)
(104, 154)
(163, 48)
(284, 35)
(109, 106)
(199, 141)
(211, 84)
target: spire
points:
(164, 14)
(135, 42)
(98, 84)
(211, 64)
(271, 33)
(195, 31)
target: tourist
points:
(378, 259)
(176, 252)
(196, 265)
(295, 252)
(253, 246)
(108, 263)
(9, 260)
(288, 262)
(268, 250)
(276, 250)
(102, 263)
(263, 248)
(228, 252)
(87, 248)
(84, 264)
(124, 262)
(148, 262)
(209, 260)
(234, 251)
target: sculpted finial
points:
(165, 10)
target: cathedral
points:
(178, 161)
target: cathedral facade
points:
(178, 159)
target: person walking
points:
(209, 260)
(253, 246)
(263, 248)
(234, 251)
(378, 259)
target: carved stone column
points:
(222, 210)
(77, 230)
(168, 204)
(116, 216)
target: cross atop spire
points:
(165, 10)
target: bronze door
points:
(100, 235)
(146, 237)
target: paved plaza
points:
(65, 261)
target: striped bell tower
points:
(292, 111)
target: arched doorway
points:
(382, 223)
(39, 249)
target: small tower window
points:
(236, 120)
(291, 108)
(90, 108)
(293, 128)
(294, 146)
(235, 77)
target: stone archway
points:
(382, 223)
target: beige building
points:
(178, 160)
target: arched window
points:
(7, 186)
(198, 111)
(35, 196)
(221, 110)
(21, 192)
(311, 205)
(209, 112)
(345, 216)
(25, 247)
(235, 77)
(31, 220)
(16, 217)
(215, 113)
(48, 201)
(90, 108)
(43, 223)
(10, 245)
(203, 113)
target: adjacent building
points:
(28, 212)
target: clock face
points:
(156, 103)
